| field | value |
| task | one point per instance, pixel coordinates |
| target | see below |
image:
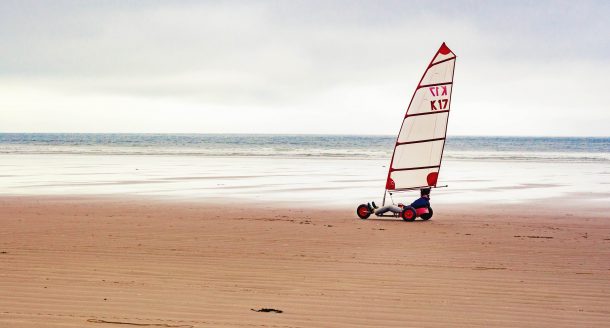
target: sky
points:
(524, 68)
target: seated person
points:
(393, 208)
(423, 201)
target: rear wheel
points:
(427, 216)
(409, 214)
(363, 211)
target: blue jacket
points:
(421, 202)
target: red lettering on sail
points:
(436, 92)
(442, 104)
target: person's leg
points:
(382, 210)
(387, 208)
(395, 209)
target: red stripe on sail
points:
(427, 113)
(418, 141)
(434, 85)
(415, 168)
(441, 61)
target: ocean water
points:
(342, 146)
(325, 169)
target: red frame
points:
(421, 210)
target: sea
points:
(327, 170)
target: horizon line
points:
(309, 134)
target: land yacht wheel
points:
(409, 214)
(427, 216)
(363, 211)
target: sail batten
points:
(420, 143)
(417, 168)
(428, 113)
(434, 85)
(442, 61)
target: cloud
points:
(304, 65)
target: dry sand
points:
(77, 262)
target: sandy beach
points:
(108, 262)
(191, 164)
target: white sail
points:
(419, 146)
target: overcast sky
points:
(338, 67)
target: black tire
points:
(409, 214)
(363, 211)
(428, 215)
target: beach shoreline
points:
(97, 261)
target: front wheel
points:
(363, 211)
(427, 216)
(409, 214)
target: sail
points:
(419, 146)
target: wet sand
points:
(320, 180)
(106, 262)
